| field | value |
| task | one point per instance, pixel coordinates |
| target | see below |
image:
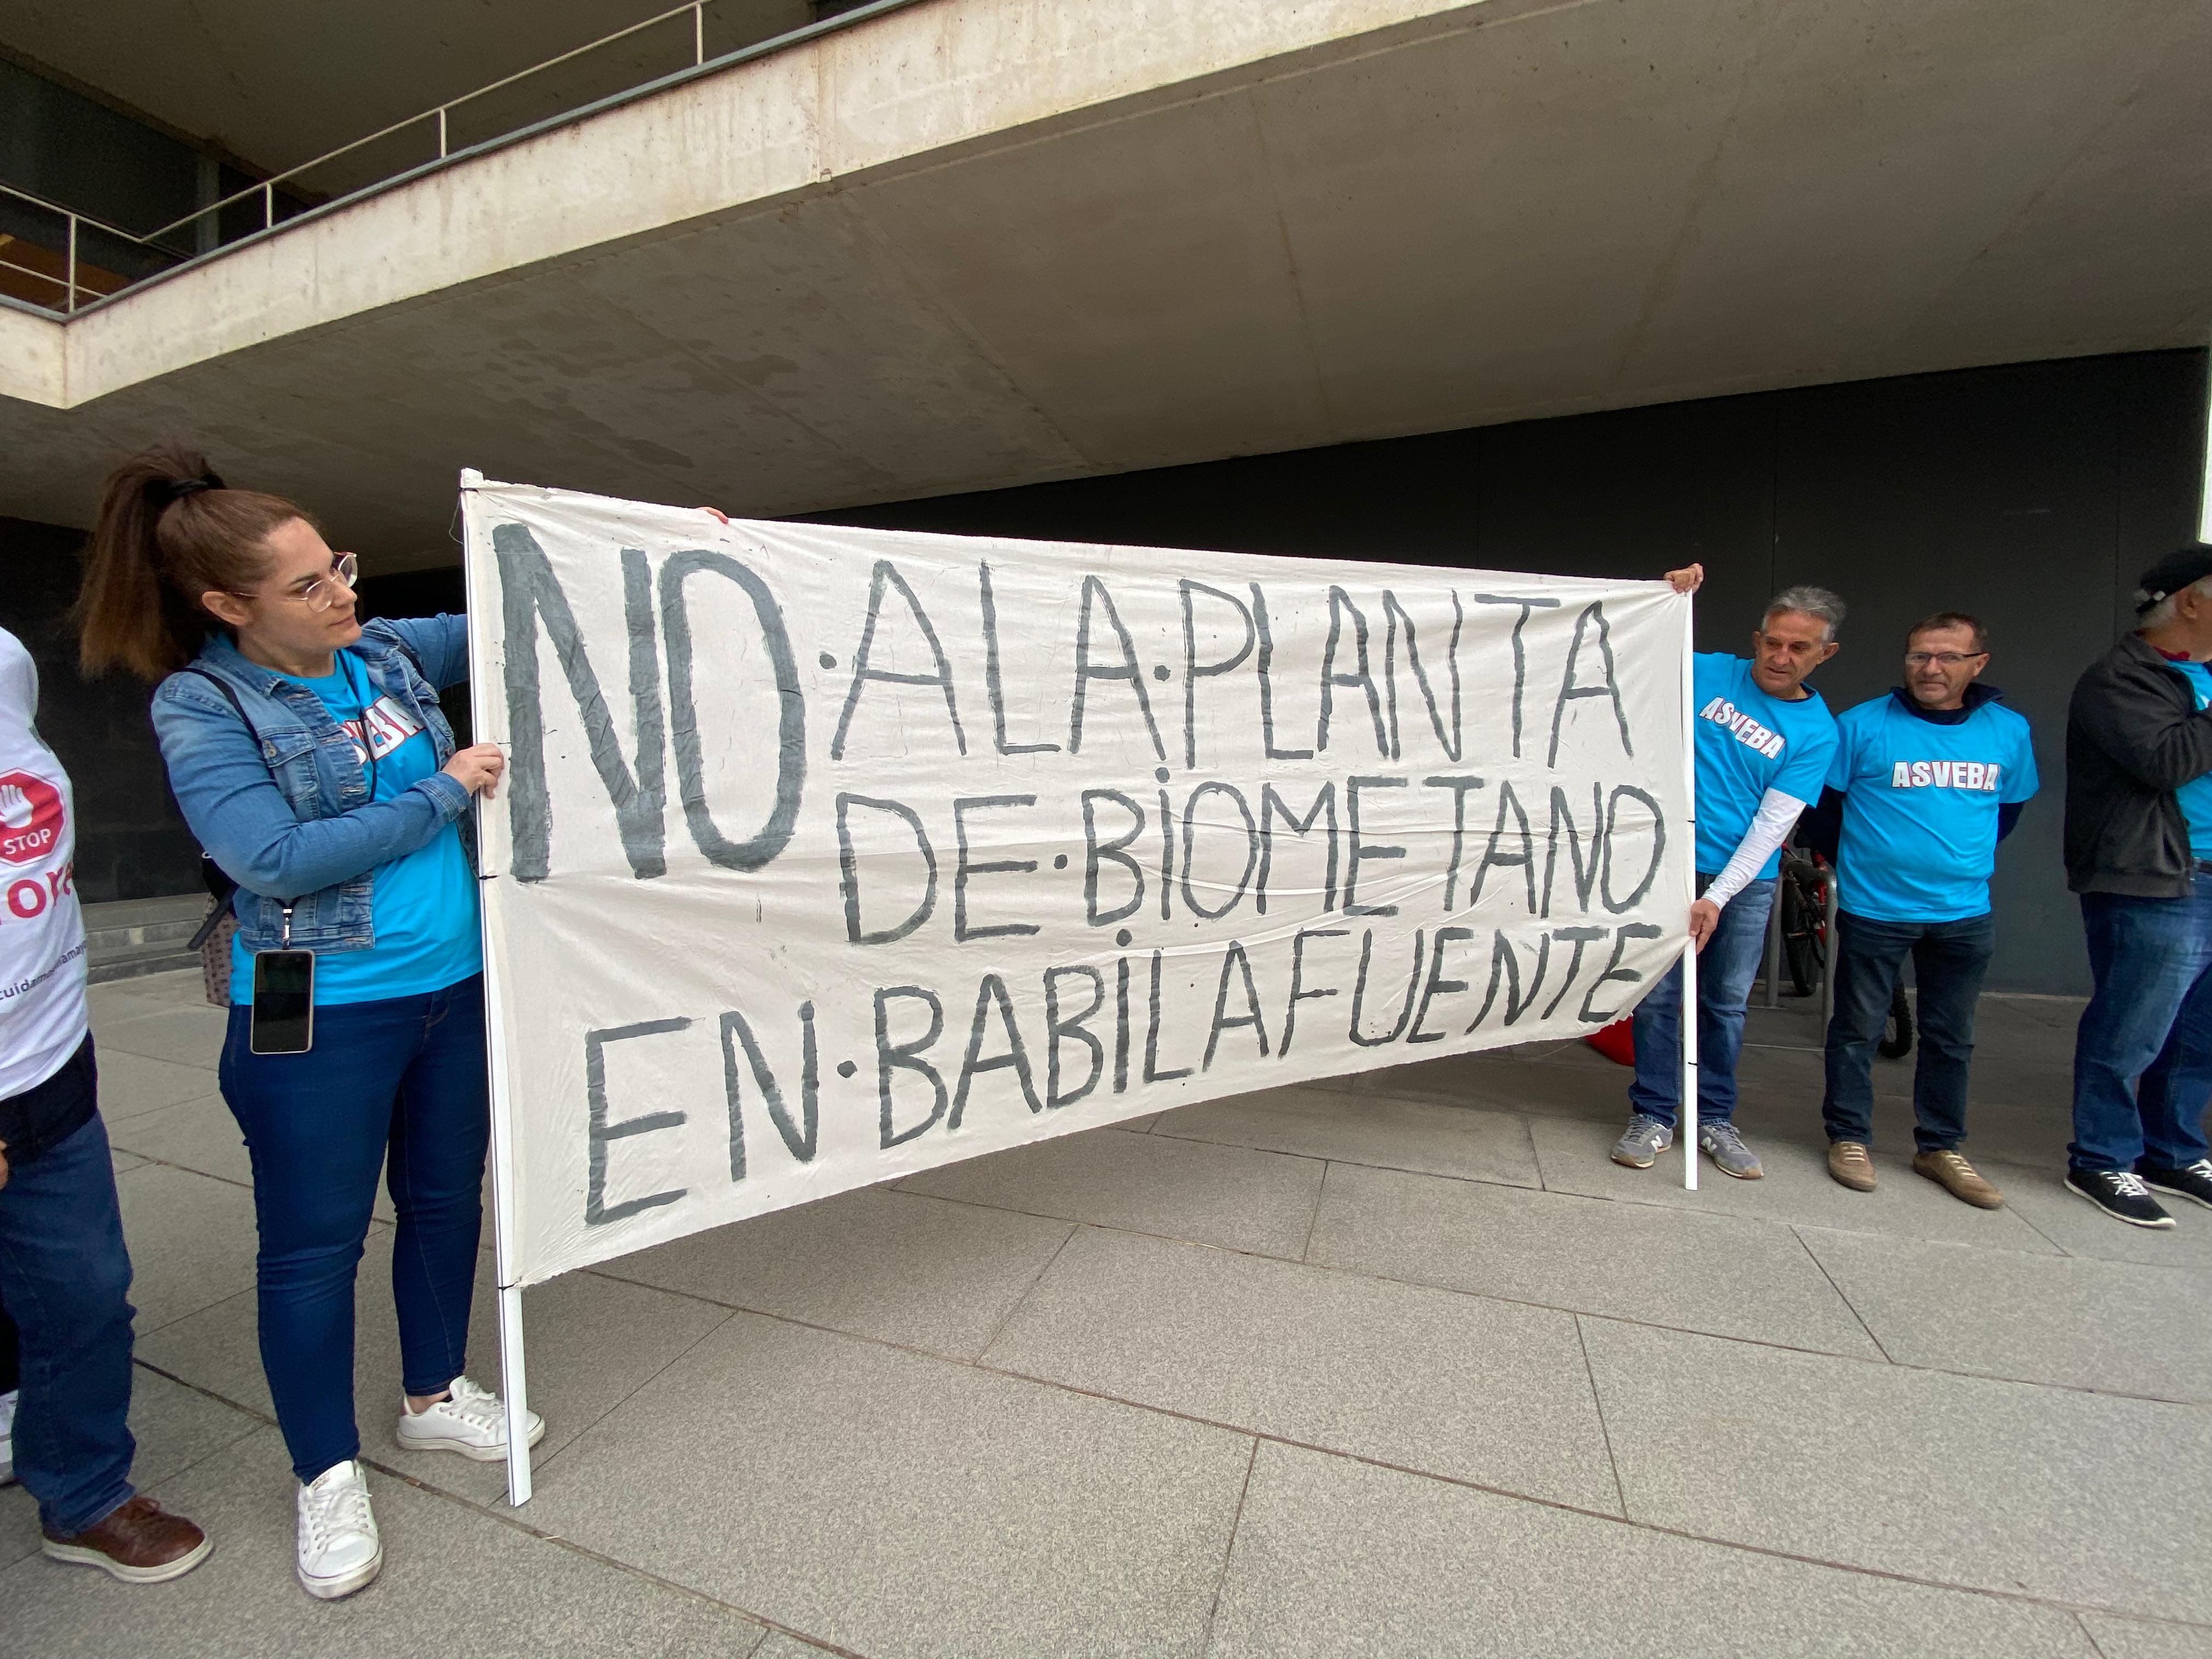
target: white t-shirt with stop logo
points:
(43, 1016)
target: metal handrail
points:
(266, 188)
(71, 218)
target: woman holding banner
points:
(311, 759)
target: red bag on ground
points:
(1616, 1041)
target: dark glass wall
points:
(131, 842)
(2031, 495)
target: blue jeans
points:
(1726, 968)
(1948, 960)
(65, 1277)
(2143, 1058)
(406, 1076)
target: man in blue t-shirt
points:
(1764, 739)
(1926, 781)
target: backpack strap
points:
(223, 686)
(221, 885)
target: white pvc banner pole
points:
(1688, 1115)
(514, 1389)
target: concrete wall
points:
(2031, 495)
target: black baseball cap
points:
(2185, 565)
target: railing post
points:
(441, 132)
(269, 207)
(698, 34)
(70, 303)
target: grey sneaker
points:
(1645, 1138)
(1722, 1143)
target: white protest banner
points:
(829, 855)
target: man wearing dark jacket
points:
(2139, 851)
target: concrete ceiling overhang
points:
(974, 243)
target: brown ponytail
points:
(168, 531)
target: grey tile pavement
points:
(2093, 1499)
(1560, 1086)
(901, 1505)
(1481, 1390)
(1145, 1183)
(1341, 1558)
(881, 1501)
(2140, 1639)
(198, 1134)
(1796, 1189)
(2075, 1321)
(1469, 1142)
(131, 1084)
(191, 1238)
(893, 1265)
(1707, 1273)
(592, 1341)
(19, 1525)
(176, 1428)
(455, 1580)
(780, 1646)
(156, 1030)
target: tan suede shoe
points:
(1849, 1163)
(137, 1541)
(1957, 1177)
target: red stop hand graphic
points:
(30, 818)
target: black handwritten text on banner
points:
(829, 855)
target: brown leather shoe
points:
(138, 1542)
(1849, 1163)
(1957, 1177)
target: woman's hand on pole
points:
(478, 768)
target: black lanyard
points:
(367, 732)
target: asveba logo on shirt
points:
(1741, 725)
(1945, 775)
(31, 818)
(383, 726)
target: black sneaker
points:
(2192, 1181)
(2121, 1194)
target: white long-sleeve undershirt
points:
(1777, 813)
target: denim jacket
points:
(283, 808)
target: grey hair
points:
(2162, 613)
(1818, 603)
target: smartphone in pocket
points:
(284, 1020)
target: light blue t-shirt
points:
(1750, 742)
(1920, 808)
(2195, 795)
(425, 909)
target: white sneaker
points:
(470, 1420)
(8, 1438)
(339, 1550)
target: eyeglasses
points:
(322, 593)
(1949, 659)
